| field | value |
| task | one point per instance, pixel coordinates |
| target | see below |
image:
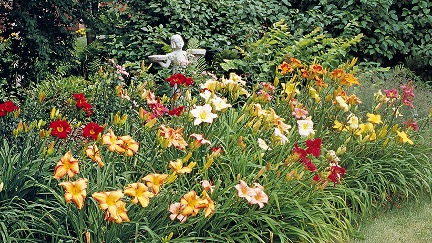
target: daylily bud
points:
(53, 113)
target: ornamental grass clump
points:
(295, 158)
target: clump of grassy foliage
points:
(315, 159)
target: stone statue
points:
(178, 58)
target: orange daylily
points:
(66, 165)
(350, 80)
(140, 193)
(155, 181)
(75, 191)
(108, 200)
(93, 153)
(173, 137)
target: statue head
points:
(177, 42)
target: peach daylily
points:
(207, 186)
(121, 213)
(140, 193)
(209, 206)
(175, 209)
(178, 168)
(114, 144)
(155, 181)
(129, 145)
(260, 197)
(93, 152)
(66, 165)
(244, 191)
(191, 204)
(108, 201)
(75, 191)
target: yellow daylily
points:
(114, 144)
(129, 145)
(375, 119)
(403, 138)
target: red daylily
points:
(80, 99)
(336, 173)
(179, 79)
(60, 128)
(92, 130)
(176, 111)
(158, 109)
(6, 107)
(314, 147)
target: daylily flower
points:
(341, 103)
(172, 137)
(206, 94)
(262, 144)
(178, 168)
(114, 144)
(175, 209)
(158, 109)
(260, 197)
(403, 138)
(349, 80)
(80, 99)
(375, 119)
(191, 204)
(75, 191)
(336, 173)
(207, 186)
(155, 181)
(244, 191)
(66, 165)
(129, 145)
(285, 68)
(209, 206)
(108, 201)
(60, 128)
(92, 151)
(411, 124)
(279, 136)
(305, 127)
(314, 147)
(219, 104)
(203, 114)
(140, 193)
(353, 122)
(317, 69)
(391, 93)
(6, 107)
(121, 213)
(199, 140)
(176, 111)
(300, 113)
(337, 74)
(92, 130)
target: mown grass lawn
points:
(412, 223)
